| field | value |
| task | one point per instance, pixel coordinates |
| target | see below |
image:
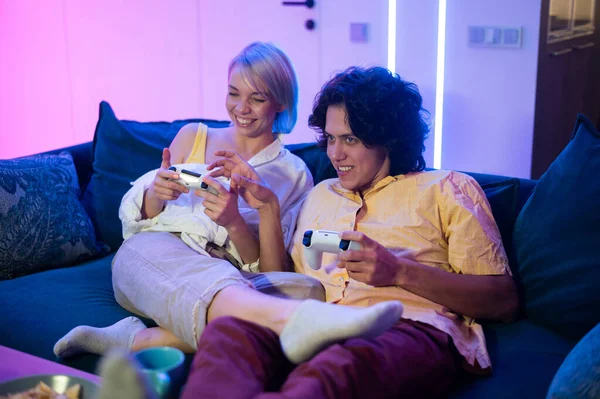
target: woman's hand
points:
(244, 179)
(221, 208)
(232, 163)
(162, 188)
(373, 264)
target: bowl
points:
(58, 382)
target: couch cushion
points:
(42, 307)
(42, 223)
(524, 357)
(316, 159)
(557, 236)
(123, 151)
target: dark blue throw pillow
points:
(42, 223)
(557, 239)
(123, 151)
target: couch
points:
(51, 298)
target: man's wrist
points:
(401, 276)
(269, 208)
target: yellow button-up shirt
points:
(440, 218)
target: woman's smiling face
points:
(251, 109)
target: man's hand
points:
(373, 264)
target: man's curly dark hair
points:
(381, 110)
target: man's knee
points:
(231, 330)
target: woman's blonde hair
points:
(267, 67)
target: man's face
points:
(358, 167)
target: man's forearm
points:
(492, 297)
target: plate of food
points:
(49, 386)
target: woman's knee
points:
(287, 285)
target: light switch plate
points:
(495, 36)
(359, 32)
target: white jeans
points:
(157, 276)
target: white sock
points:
(121, 378)
(316, 325)
(99, 340)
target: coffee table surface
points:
(16, 364)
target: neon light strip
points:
(392, 36)
(439, 89)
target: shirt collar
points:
(355, 195)
(267, 154)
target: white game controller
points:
(193, 180)
(315, 242)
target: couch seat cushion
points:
(524, 357)
(40, 308)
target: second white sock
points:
(315, 325)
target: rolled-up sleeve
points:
(474, 241)
(130, 211)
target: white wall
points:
(337, 51)
(489, 99)
(416, 54)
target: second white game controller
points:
(315, 242)
(193, 180)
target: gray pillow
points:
(42, 223)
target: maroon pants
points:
(240, 359)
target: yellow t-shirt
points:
(441, 219)
(198, 153)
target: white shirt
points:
(285, 173)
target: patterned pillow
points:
(42, 223)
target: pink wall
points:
(33, 76)
(60, 58)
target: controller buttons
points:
(203, 185)
(173, 168)
(307, 238)
(344, 245)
